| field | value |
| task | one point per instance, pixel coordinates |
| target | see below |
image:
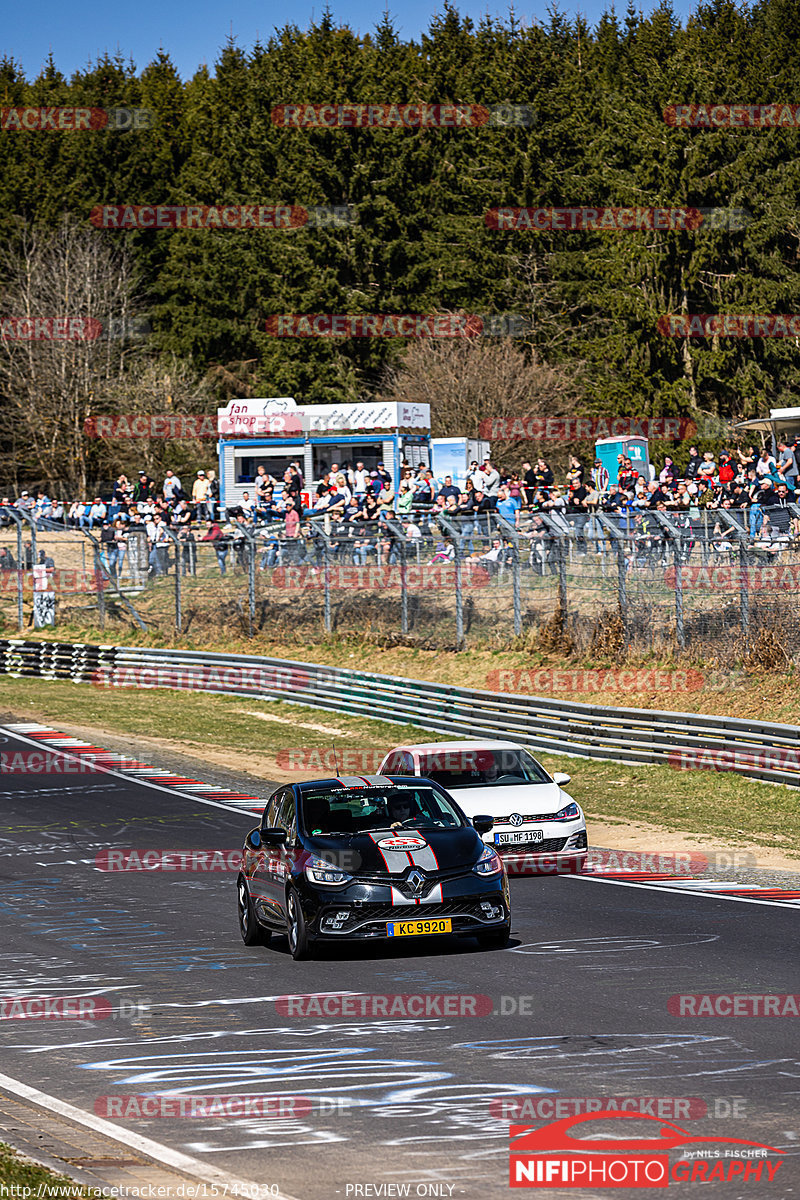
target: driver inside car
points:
(402, 809)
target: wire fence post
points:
(744, 595)
(100, 586)
(562, 537)
(512, 535)
(679, 626)
(622, 590)
(251, 583)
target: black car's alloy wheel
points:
(296, 927)
(252, 933)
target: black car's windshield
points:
(481, 768)
(360, 810)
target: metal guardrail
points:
(756, 749)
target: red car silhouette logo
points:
(556, 1137)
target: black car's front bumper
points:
(362, 911)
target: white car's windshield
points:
(482, 768)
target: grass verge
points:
(21, 1173)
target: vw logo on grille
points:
(417, 880)
(515, 819)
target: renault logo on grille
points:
(417, 881)
(515, 819)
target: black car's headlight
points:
(569, 813)
(489, 863)
(317, 870)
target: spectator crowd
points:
(358, 514)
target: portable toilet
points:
(634, 448)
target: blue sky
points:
(193, 33)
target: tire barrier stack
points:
(686, 741)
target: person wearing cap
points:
(384, 476)
(25, 501)
(765, 497)
(200, 491)
(600, 476)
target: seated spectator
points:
(444, 552)
(246, 505)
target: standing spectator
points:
(384, 476)
(212, 499)
(213, 534)
(508, 506)
(171, 489)
(787, 464)
(447, 490)
(765, 498)
(491, 484)
(693, 466)
(360, 479)
(576, 473)
(600, 476)
(144, 489)
(668, 473)
(708, 467)
(627, 476)
(543, 475)
(726, 472)
(200, 494)
(765, 464)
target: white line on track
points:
(155, 1150)
(681, 891)
(174, 791)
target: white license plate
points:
(513, 839)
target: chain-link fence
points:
(643, 582)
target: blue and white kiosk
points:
(276, 431)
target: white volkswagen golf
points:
(538, 827)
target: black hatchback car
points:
(359, 858)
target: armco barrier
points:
(628, 735)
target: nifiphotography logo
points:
(551, 1156)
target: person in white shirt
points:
(360, 479)
(171, 485)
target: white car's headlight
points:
(489, 863)
(569, 813)
(317, 870)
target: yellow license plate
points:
(410, 928)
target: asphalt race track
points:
(579, 1000)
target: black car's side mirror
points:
(483, 823)
(253, 839)
(274, 837)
